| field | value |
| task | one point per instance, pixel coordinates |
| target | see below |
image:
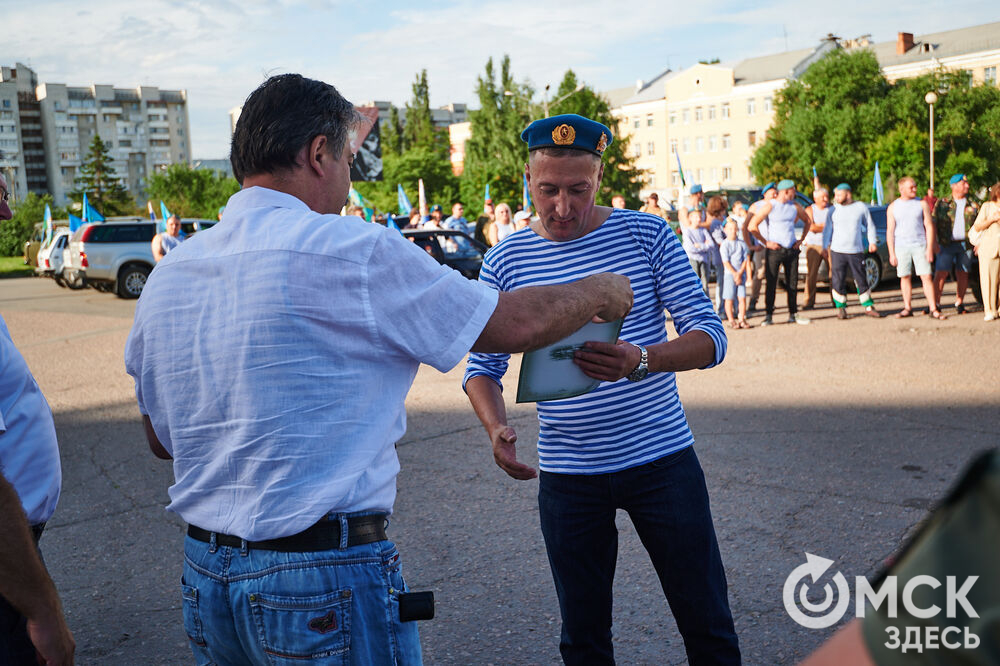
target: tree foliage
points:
(413, 150)
(99, 180)
(191, 192)
(27, 213)
(843, 115)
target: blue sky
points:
(219, 50)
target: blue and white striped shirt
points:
(619, 424)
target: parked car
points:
(451, 248)
(33, 245)
(114, 255)
(193, 226)
(50, 256)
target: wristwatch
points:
(642, 369)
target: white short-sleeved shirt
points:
(29, 454)
(273, 353)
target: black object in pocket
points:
(416, 606)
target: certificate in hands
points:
(549, 373)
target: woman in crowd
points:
(988, 249)
(502, 226)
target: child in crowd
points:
(716, 211)
(698, 245)
(736, 262)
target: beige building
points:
(46, 130)
(713, 116)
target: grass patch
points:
(14, 267)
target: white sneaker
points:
(798, 319)
(989, 317)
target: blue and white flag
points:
(404, 202)
(877, 193)
(47, 219)
(161, 227)
(74, 222)
(90, 214)
(486, 196)
(680, 169)
(149, 207)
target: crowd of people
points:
(746, 247)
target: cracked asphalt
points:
(834, 438)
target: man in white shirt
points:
(31, 618)
(844, 235)
(282, 401)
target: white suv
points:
(114, 255)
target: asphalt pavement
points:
(834, 438)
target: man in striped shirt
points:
(625, 445)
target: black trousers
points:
(773, 260)
(16, 647)
(839, 265)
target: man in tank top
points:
(910, 236)
(165, 241)
(782, 248)
(816, 249)
(756, 276)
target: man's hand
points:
(796, 245)
(52, 640)
(618, 295)
(503, 438)
(773, 245)
(607, 362)
(872, 248)
(738, 279)
(893, 260)
(758, 248)
(930, 256)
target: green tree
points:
(415, 150)
(192, 192)
(26, 214)
(99, 180)
(843, 115)
(495, 154)
(620, 175)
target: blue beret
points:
(568, 131)
(769, 186)
(957, 178)
(435, 207)
(785, 184)
(843, 186)
(695, 189)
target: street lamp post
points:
(545, 97)
(931, 98)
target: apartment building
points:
(717, 114)
(46, 130)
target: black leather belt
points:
(324, 535)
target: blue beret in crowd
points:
(957, 178)
(843, 186)
(785, 184)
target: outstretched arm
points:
(487, 400)
(25, 583)
(533, 317)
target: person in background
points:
(953, 216)
(698, 245)
(757, 250)
(433, 221)
(456, 221)
(695, 201)
(653, 206)
(165, 241)
(988, 249)
(816, 251)
(909, 234)
(736, 266)
(356, 211)
(414, 222)
(521, 219)
(618, 201)
(844, 234)
(484, 222)
(715, 222)
(503, 226)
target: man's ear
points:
(317, 155)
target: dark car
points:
(451, 248)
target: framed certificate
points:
(549, 373)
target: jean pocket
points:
(192, 624)
(670, 459)
(296, 629)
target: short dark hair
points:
(281, 116)
(716, 206)
(561, 151)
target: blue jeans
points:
(668, 503)
(336, 606)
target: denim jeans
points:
(337, 606)
(668, 503)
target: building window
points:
(636, 150)
(711, 112)
(687, 145)
(649, 120)
(990, 76)
(699, 145)
(751, 106)
(673, 145)
(635, 123)
(768, 104)
(725, 110)
(673, 117)
(652, 180)
(125, 143)
(674, 178)
(686, 116)
(713, 143)
(697, 114)
(752, 139)
(727, 142)
(6, 104)
(727, 173)
(651, 148)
